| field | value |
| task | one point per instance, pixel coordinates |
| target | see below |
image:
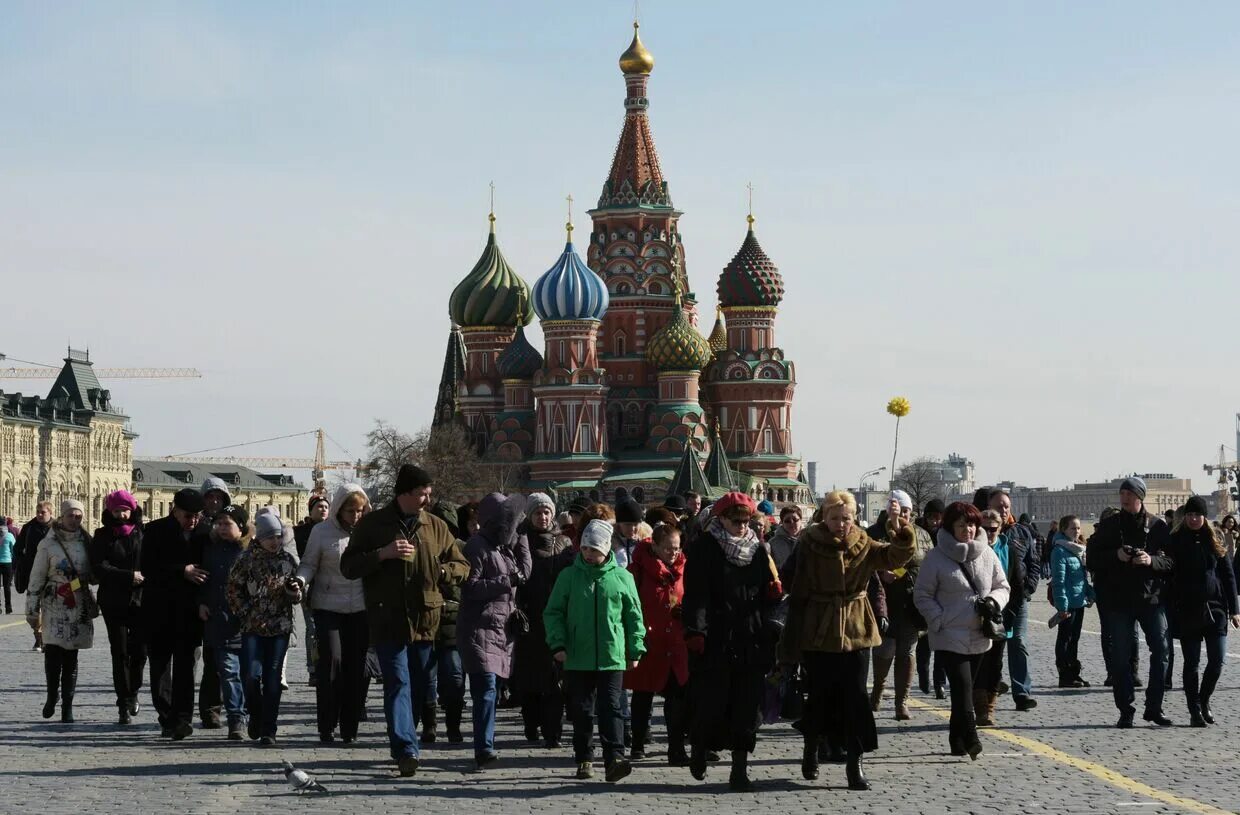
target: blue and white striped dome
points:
(569, 290)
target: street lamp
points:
(865, 475)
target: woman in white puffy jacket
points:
(959, 571)
(339, 617)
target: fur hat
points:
(597, 535)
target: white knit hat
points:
(597, 535)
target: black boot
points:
(452, 722)
(674, 720)
(641, 734)
(51, 668)
(809, 759)
(697, 762)
(1206, 715)
(68, 687)
(430, 722)
(739, 781)
(856, 773)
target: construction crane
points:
(1228, 472)
(318, 466)
(44, 371)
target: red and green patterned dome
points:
(492, 294)
(751, 279)
(678, 346)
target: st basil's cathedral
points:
(627, 398)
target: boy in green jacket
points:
(596, 631)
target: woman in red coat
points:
(658, 570)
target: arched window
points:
(621, 343)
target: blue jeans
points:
(1153, 622)
(450, 679)
(228, 666)
(482, 690)
(406, 670)
(1018, 653)
(261, 661)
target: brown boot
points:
(904, 681)
(881, 668)
(984, 708)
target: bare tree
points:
(922, 479)
(445, 451)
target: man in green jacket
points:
(403, 554)
(596, 631)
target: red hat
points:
(733, 499)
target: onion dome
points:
(492, 293)
(570, 290)
(636, 60)
(519, 360)
(718, 339)
(751, 279)
(678, 346)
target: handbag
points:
(90, 606)
(991, 616)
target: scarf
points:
(739, 550)
(1077, 549)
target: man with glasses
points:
(784, 542)
(1023, 574)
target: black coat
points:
(1201, 592)
(114, 559)
(534, 671)
(23, 552)
(169, 600)
(1120, 585)
(1024, 565)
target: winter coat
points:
(782, 545)
(222, 628)
(661, 589)
(115, 557)
(946, 599)
(499, 561)
(8, 542)
(451, 609)
(320, 561)
(624, 548)
(169, 599)
(728, 606)
(1024, 564)
(829, 609)
(303, 530)
(534, 670)
(595, 617)
(28, 539)
(58, 557)
(1070, 587)
(256, 591)
(1202, 588)
(403, 598)
(1122, 585)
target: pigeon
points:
(300, 780)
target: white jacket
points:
(331, 591)
(944, 597)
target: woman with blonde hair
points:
(831, 627)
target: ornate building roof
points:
(678, 346)
(718, 339)
(492, 293)
(689, 476)
(751, 279)
(718, 470)
(636, 59)
(636, 179)
(569, 290)
(450, 380)
(519, 360)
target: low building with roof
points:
(155, 482)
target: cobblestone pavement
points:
(1063, 757)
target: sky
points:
(1019, 215)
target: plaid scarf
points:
(739, 550)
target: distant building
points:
(870, 502)
(155, 482)
(812, 468)
(72, 444)
(1087, 500)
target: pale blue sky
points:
(1022, 216)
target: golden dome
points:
(636, 60)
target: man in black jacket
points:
(170, 611)
(1026, 567)
(28, 540)
(1127, 554)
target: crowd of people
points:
(735, 613)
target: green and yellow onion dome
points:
(718, 339)
(492, 293)
(751, 279)
(519, 360)
(678, 346)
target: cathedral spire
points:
(636, 179)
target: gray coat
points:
(499, 561)
(944, 597)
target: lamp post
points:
(864, 492)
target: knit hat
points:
(766, 508)
(597, 535)
(188, 500)
(267, 525)
(1135, 485)
(676, 504)
(1196, 506)
(315, 500)
(411, 477)
(730, 500)
(629, 511)
(120, 499)
(238, 514)
(902, 498)
(536, 500)
(934, 507)
(69, 505)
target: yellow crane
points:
(1228, 471)
(318, 466)
(44, 371)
